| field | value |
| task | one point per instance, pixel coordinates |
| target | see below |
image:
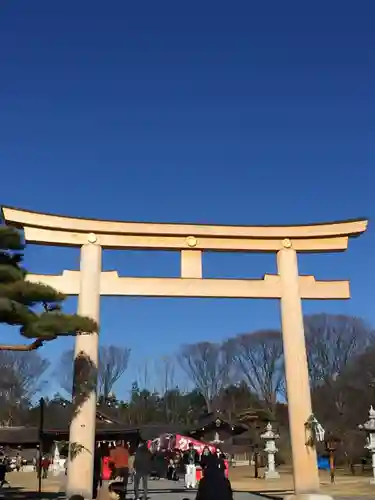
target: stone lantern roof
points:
(269, 433)
(369, 426)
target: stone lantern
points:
(270, 448)
(369, 427)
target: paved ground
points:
(346, 485)
(24, 486)
(169, 490)
(158, 490)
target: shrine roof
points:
(60, 415)
(29, 435)
(217, 419)
(18, 435)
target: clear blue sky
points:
(216, 112)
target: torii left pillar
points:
(82, 427)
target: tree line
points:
(245, 371)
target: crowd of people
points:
(7, 464)
(138, 466)
(141, 465)
(17, 463)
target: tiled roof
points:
(30, 435)
(211, 419)
(18, 435)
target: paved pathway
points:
(24, 486)
(169, 490)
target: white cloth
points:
(56, 460)
(191, 476)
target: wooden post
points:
(332, 465)
(41, 435)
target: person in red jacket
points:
(45, 466)
(119, 457)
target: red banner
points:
(182, 443)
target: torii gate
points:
(191, 240)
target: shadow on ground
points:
(271, 494)
(13, 493)
(165, 490)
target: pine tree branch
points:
(22, 347)
(21, 300)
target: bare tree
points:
(354, 388)
(341, 359)
(113, 362)
(20, 380)
(258, 358)
(64, 370)
(341, 353)
(165, 375)
(208, 366)
(167, 388)
(238, 398)
(360, 374)
(332, 341)
(145, 374)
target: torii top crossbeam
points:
(71, 231)
(190, 240)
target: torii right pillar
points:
(305, 470)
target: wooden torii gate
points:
(90, 282)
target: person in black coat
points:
(206, 458)
(214, 485)
(3, 470)
(160, 465)
(142, 469)
(97, 471)
(210, 460)
(220, 460)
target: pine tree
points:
(34, 307)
